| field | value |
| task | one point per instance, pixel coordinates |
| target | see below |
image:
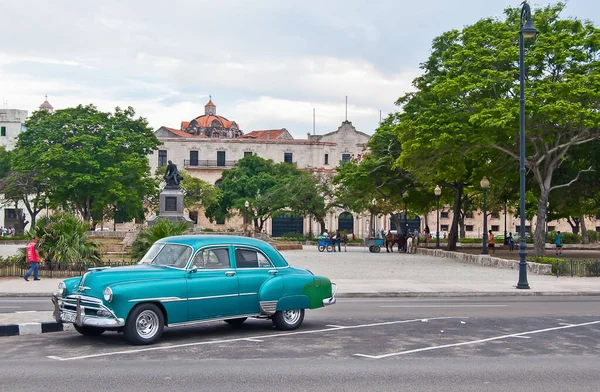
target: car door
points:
(212, 285)
(253, 269)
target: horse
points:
(391, 239)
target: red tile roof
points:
(185, 124)
(209, 103)
(273, 134)
(184, 134)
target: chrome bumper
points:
(331, 300)
(72, 309)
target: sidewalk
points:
(360, 273)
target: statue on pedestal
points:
(172, 176)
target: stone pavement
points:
(360, 273)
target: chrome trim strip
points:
(331, 300)
(241, 294)
(186, 323)
(213, 296)
(160, 299)
(268, 307)
(82, 319)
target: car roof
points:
(197, 240)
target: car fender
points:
(172, 297)
(296, 292)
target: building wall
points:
(14, 121)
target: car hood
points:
(96, 280)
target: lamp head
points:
(485, 183)
(437, 190)
(246, 204)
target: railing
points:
(576, 268)
(57, 270)
(208, 163)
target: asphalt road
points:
(21, 304)
(453, 344)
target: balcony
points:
(208, 164)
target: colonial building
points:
(209, 144)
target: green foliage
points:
(92, 162)
(568, 238)
(593, 236)
(62, 239)
(161, 229)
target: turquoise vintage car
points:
(190, 279)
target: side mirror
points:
(193, 270)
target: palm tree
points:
(63, 239)
(161, 229)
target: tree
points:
(63, 239)
(161, 229)
(258, 181)
(467, 100)
(91, 160)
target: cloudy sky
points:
(267, 63)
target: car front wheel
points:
(89, 331)
(288, 320)
(144, 325)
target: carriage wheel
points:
(371, 249)
(321, 248)
(376, 249)
(329, 248)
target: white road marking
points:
(276, 335)
(27, 311)
(521, 337)
(567, 324)
(254, 340)
(10, 307)
(475, 341)
(443, 306)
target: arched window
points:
(218, 183)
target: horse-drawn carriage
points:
(325, 242)
(374, 244)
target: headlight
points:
(62, 289)
(108, 294)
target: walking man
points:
(33, 258)
(492, 242)
(559, 243)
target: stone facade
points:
(12, 122)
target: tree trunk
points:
(585, 238)
(322, 224)
(539, 239)
(574, 224)
(461, 224)
(453, 235)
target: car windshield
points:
(169, 255)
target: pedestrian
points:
(427, 235)
(491, 242)
(511, 243)
(337, 239)
(33, 258)
(559, 243)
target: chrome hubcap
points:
(147, 324)
(291, 316)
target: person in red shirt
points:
(33, 258)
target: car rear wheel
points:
(144, 325)
(236, 321)
(89, 331)
(288, 320)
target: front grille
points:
(89, 304)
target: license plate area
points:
(68, 317)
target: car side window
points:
(248, 258)
(217, 258)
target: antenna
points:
(314, 124)
(346, 108)
(380, 117)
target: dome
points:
(47, 106)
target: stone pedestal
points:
(171, 207)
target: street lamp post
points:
(505, 234)
(438, 192)
(485, 184)
(405, 197)
(246, 220)
(373, 202)
(527, 30)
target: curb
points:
(384, 294)
(33, 328)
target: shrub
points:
(568, 238)
(469, 240)
(208, 230)
(593, 235)
(292, 237)
(161, 229)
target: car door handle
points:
(230, 273)
(273, 272)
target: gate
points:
(285, 224)
(413, 224)
(346, 222)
